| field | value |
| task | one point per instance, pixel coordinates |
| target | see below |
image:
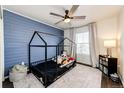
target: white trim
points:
(6, 77)
(122, 82)
(31, 18)
(2, 46)
(1, 49)
(121, 79)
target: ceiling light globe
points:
(67, 20)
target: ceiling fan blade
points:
(63, 9)
(56, 15)
(59, 21)
(73, 9)
(78, 17)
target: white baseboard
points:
(122, 82)
(5, 77)
(121, 79)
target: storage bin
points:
(16, 76)
(17, 72)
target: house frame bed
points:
(47, 70)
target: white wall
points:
(0, 56)
(107, 29)
(67, 34)
(121, 43)
(113, 28)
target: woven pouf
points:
(16, 76)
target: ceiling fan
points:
(68, 15)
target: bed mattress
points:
(49, 71)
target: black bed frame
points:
(46, 46)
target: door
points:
(82, 41)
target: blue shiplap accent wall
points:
(17, 34)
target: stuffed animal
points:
(64, 54)
(65, 61)
(71, 59)
(59, 60)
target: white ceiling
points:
(41, 13)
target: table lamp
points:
(109, 44)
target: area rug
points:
(79, 77)
(29, 82)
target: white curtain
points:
(72, 47)
(93, 43)
(88, 54)
(70, 34)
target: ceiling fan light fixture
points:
(67, 20)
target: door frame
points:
(1, 48)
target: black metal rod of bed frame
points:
(63, 42)
(57, 49)
(45, 58)
(43, 45)
(56, 60)
(49, 45)
(49, 34)
(66, 39)
(30, 51)
(45, 53)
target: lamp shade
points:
(109, 43)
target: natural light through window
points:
(82, 40)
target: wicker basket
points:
(16, 76)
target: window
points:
(82, 40)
